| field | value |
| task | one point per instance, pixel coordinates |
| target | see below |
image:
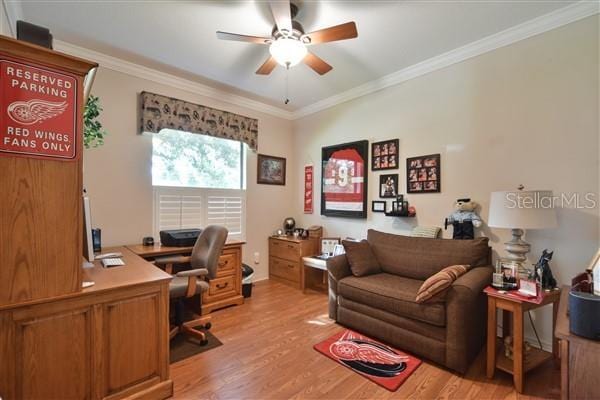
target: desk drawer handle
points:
(223, 286)
(275, 243)
(291, 265)
(290, 246)
(222, 264)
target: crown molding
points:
(533, 27)
(150, 74)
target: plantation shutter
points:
(195, 208)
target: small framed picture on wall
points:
(388, 186)
(423, 174)
(379, 206)
(384, 155)
(270, 170)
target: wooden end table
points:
(510, 302)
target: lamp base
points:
(517, 249)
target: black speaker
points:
(34, 34)
(584, 314)
(97, 239)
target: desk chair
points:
(204, 262)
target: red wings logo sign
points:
(32, 111)
(37, 112)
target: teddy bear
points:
(463, 219)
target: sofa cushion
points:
(394, 294)
(437, 284)
(419, 258)
(360, 257)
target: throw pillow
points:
(436, 284)
(360, 257)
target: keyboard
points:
(112, 262)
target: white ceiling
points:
(180, 35)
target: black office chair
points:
(204, 262)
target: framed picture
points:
(345, 180)
(379, 206)
(423, 174)
(328, 245)
(270, 170)
(510, 273)
(385, 155)
(388, 186)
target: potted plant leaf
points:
(93, 132)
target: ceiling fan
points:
(288, 41)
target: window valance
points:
(160, 112)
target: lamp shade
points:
(532, 209)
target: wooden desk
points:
(579, 358)
(108, 341)
(519, 365)
(226, 289)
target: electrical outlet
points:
(257, 258)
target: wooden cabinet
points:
(579, 358)
(285, 258)
(108, 342)
(226, 289)
(41, 213)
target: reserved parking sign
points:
(38, 112)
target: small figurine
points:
(543, 273)
(463, 219)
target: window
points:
(198, 181)
(192, 160)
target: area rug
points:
(375, 361)
(183, 346)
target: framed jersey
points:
(344, 180)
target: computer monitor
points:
(88, 245)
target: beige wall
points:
(118, 176)
(524, 114)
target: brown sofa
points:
(450, 331)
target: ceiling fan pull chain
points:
(287, 86)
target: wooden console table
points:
(517, 306)
(226, 289)
(579, 358)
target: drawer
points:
(222, 287)
(228, 261)
(284, 249)
(285, 269)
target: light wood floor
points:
(267, 354)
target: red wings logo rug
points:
(382, 364)
(32, 111)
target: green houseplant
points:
(93, 132)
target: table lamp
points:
(519, 210)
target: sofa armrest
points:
(466, 317)
(337, 268)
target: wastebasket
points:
(247, 275)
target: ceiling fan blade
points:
(242, 38)
(318, 65)
(333, 33)
(282, 15)
(267, 67)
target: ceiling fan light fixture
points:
(288, 51)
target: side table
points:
(517, 305)
(314, 274)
